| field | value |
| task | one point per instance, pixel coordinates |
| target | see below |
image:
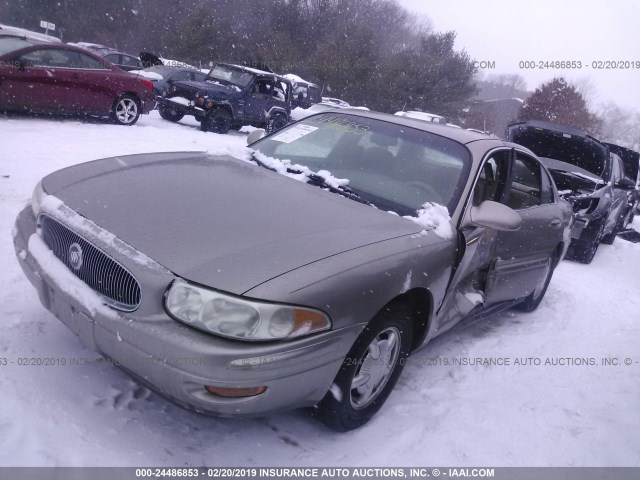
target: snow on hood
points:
(283, 167)
(434, 216)
(55, 208)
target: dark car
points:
(631, 161)
(303, 275)
(125, 61)
(62, 79)
(231, 96)
(586, 174)
(163, 78)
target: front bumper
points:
(178, 361)
(191, 109)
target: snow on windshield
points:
(298, 172)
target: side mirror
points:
(496, 216)
(626, 184)
(256, 135)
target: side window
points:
(113, 58)
(263, 86)
(130, 61)
(526, 186)
(314, 95)
(198, 76)
(546, 194)
(51, 58)
(91, 63)
(492, 178)
(180, 76)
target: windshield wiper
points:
(319, 181)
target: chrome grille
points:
(94, 267)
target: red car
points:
(55, 78)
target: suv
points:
(587, 175)
(231, 96)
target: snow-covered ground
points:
(95, 415)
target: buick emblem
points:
(75, 256)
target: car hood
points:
(219, 221)
(211, 87)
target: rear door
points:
(34, 81)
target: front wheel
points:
(217, 121)
(125, 110)
(369, 371)
(535, 298)
(169, 113)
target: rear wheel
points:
(169, 113)
(125, 110)
(369, 371)
(276, 122)
(217, 121)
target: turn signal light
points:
(235, 392)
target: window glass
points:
(178, 77)
(198, 76)
(492, 177)
(546, 194)
(314, 95)
(130, 61)
(90, 62)
(113, 58)
(526, 183)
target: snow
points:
(283, 167)
(147, 74)
(90, 413)
(434, 217)
(180, 100)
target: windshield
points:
(231, 75)
(394, 167)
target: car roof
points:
(460, 135)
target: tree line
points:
(372, 53)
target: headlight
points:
(36, 199)
(238, 318)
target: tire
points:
(276, 122)
(609, 238)
(169, 114)
(125, 110)
(218, 120)
(585, 252)
(388, 334)
(535, 298)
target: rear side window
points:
(91, 63)
(130, 61)
(546, 194)
(113, 58)
(314, 95)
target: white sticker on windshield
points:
(294, 133)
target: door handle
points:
(556, 222)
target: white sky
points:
(508, 31)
